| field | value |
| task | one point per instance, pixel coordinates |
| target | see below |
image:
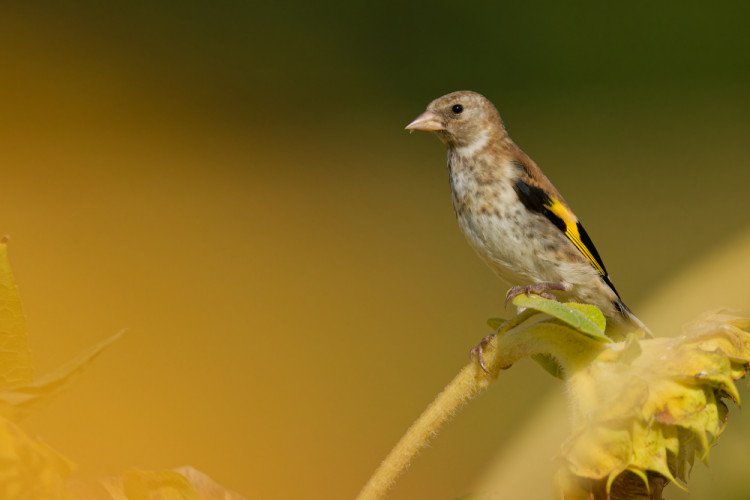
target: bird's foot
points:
(477, 352)
(541, 289)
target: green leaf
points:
(495, 323)
(591, 312)
(580, 316)
(550, 364)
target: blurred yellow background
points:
(231, 182)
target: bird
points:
(513, 216)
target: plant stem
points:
(469, 382)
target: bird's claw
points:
(476, 351)
(541, 289)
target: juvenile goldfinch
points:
(512, 215)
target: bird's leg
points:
(541, 289)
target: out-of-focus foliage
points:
(31, 470)
(15, 356)
(641, 407)
(181, 483)
(650, 407)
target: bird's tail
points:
(632, 321)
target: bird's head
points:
(460, 119)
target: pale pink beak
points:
(427, 121)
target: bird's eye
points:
(457, 109)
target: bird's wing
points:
(538, 200)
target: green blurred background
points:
(231, 181)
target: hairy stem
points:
(469, 382)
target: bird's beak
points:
(427, 121)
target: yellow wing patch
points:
(581, 241)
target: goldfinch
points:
(512, 215)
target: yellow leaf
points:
(30, 469)
(15, 356)
(19, 401)
(596, 451)
(207, 488)
(653, 409)
(108, 488)
(162, 485)
(180, 483)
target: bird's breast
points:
(493, 220)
